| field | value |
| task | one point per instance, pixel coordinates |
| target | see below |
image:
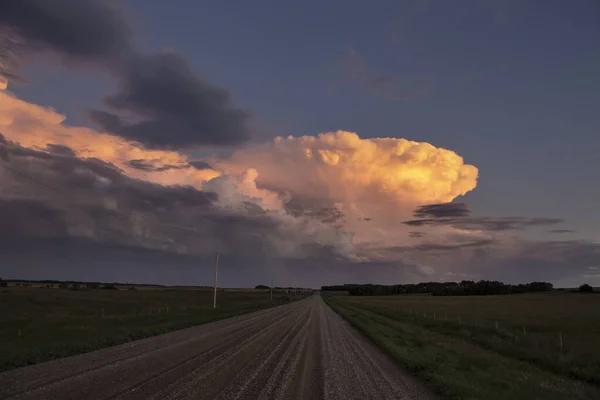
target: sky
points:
(318, 142)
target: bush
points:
(3, 283)
(109, 287)
(261, 287)
(585, 288)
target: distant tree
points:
(131, 288)
(93, 286)
(262, 287)
(63, 285)
(3, 283)
(109, 286)
(585, 288)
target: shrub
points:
(109, 287)
(3, 283)
(585, 288)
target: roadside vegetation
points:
(526, 346)
(39, 323)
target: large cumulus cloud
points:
(325, 209)
(345, 168)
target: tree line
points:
(463, 288)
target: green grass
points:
(463, 356)
(40, 324)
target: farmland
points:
(523, 346)
(39, 324)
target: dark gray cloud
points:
(168, 104)
(440, 247)
(88, 30)
(144, 165)
(200, 165)
(442, 210)
(561, 231)
(486, 223)
(72, 199)
(300, 206)
(177, 107)
(455, 215)
(60, 150)
(28, 217)
(416, 234)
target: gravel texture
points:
(302, 350)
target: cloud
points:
(442, 210)
(334, 190)
(367, 173)
(561, 231)
(396, 88)
(200, 165)
(161, 103)
(486, 223)
(177, 108)
(416, 234)
(96, 202)
(455, 215)
(322, 209)
(35, 128)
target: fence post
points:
(524, 331)
(102, 312)
(496, 326)
(459, 319)
(560, 341)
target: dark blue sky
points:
(511, 86)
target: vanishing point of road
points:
(301, 350)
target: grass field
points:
(40, 324)
(529, 346)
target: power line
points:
(17, 172)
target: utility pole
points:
(216, 280)
(271, 287)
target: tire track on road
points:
(302, 350)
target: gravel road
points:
(301, 350)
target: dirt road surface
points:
(301, 350)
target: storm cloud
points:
(93, 201)
(455, 215)
(168, 104)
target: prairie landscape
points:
(496, 347)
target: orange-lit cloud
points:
(34, 126)
(345, 168)
(373, 183)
